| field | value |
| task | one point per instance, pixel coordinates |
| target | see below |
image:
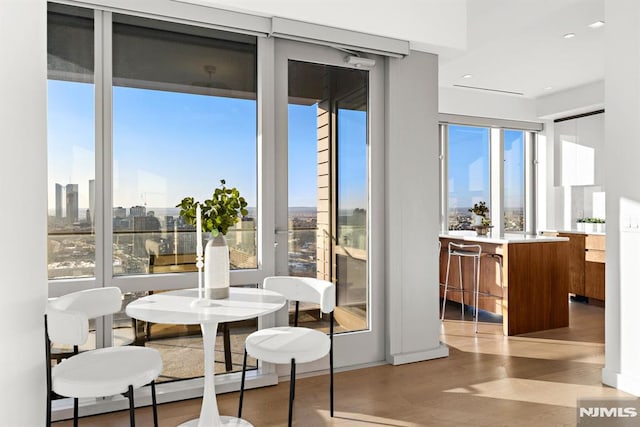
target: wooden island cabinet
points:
(534, 275)
(586, 262)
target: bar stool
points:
(498, 259)
(464, 251)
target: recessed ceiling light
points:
(596, 24)
(569, 35)
(548, 88)
(467, 76)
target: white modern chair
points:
(95, 373)
(294, 344)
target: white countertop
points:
(595, 233)
(506, 238)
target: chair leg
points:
(331, 380)
(48, 408)
(154, 403)
(446, 286)
(132, 415)
(47, 352)
(227, 347)
(75, 412)
(476, 276)
(244, 370)
(292, 390)
(461, 286)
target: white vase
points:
(216, 268)
(477, 219)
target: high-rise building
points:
(58, 200)
(119, 212)
(72, 203)
(137, 211)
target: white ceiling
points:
(511, 45)
(518, 46)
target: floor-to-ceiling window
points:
(142, 113)
(71, 144)
(184, 117)
(168, 107)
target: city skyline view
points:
(151, 170)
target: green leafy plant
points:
(589, 220)
(480, 209)
(225, 208)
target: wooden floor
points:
(488, 380)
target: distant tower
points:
(137, 211)
(92, 201)
(72, 203)
(58, 201)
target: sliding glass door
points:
(326, 126)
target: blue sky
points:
(170, 145)
(469, 179)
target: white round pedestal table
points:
(178, 308)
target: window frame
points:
(496, 173)
(265, 221)
(103, 87)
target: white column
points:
(23, 210)
(411, 210)
(622, 132)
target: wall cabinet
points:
(579, 151)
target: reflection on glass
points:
(303, 190)
(468, 180)
(328, 192)
(184, 117)
(70, 143)
(513, 180)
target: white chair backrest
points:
(67, 327)
(68, 316)
(305, 289)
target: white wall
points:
(473, 102)
(431, 25)
(622, 128)
(412, 213)
(577, 100)
(23, 211)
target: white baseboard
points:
(62, 409)
(626, 383)
(400, 359)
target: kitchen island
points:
(534, 273)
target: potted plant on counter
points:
(482, 223)
(480, 211)
(591, 225)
